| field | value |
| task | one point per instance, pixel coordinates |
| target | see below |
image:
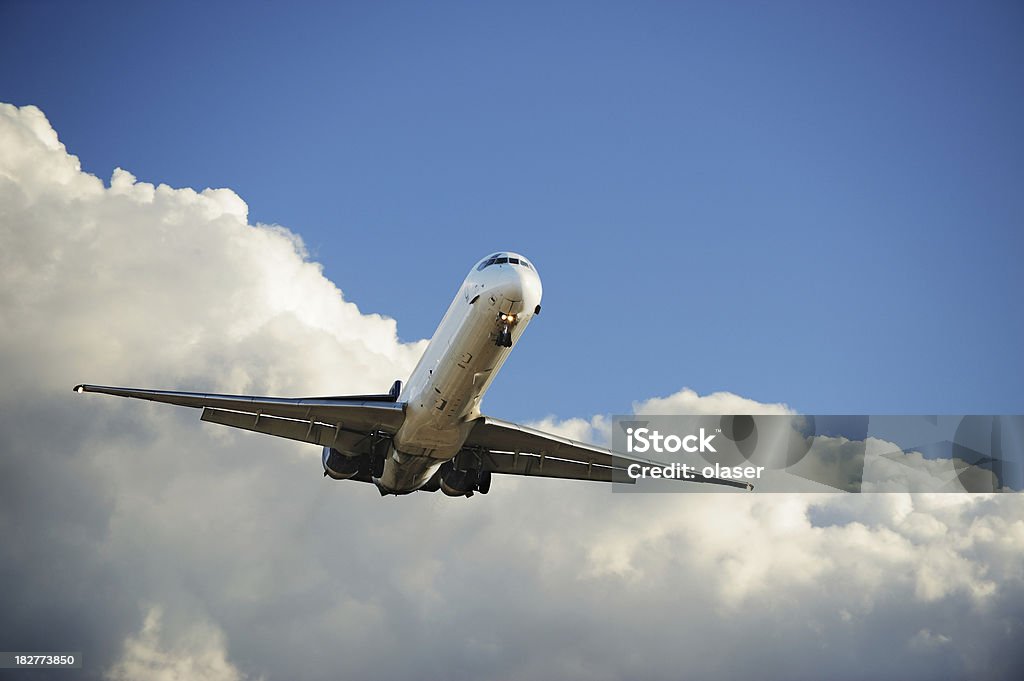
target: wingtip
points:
(80, 388)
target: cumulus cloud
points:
(685, 402)
(197, 656)
(160, 546)
(162, 283)
(688, 402)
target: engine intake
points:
(338, 466)
(456, 482)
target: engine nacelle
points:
(338, 466)
(462, 483)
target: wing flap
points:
(313, 432)
(535, 466)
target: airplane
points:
(429, 434)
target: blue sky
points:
(815, 203)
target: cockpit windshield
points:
(504, 259)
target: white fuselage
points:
(443, 393)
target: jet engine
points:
(456, 482)
(338, 466)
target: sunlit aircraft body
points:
(429, 434)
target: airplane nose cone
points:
(521, 287)
(532, 290)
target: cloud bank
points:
(164, 548)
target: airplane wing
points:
(349, 423)
(505, 447)
(340, 422)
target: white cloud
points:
(687, 401)
(596, 429)
(167, 285)
(197, 654)
(926, 640)
(108, 505)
